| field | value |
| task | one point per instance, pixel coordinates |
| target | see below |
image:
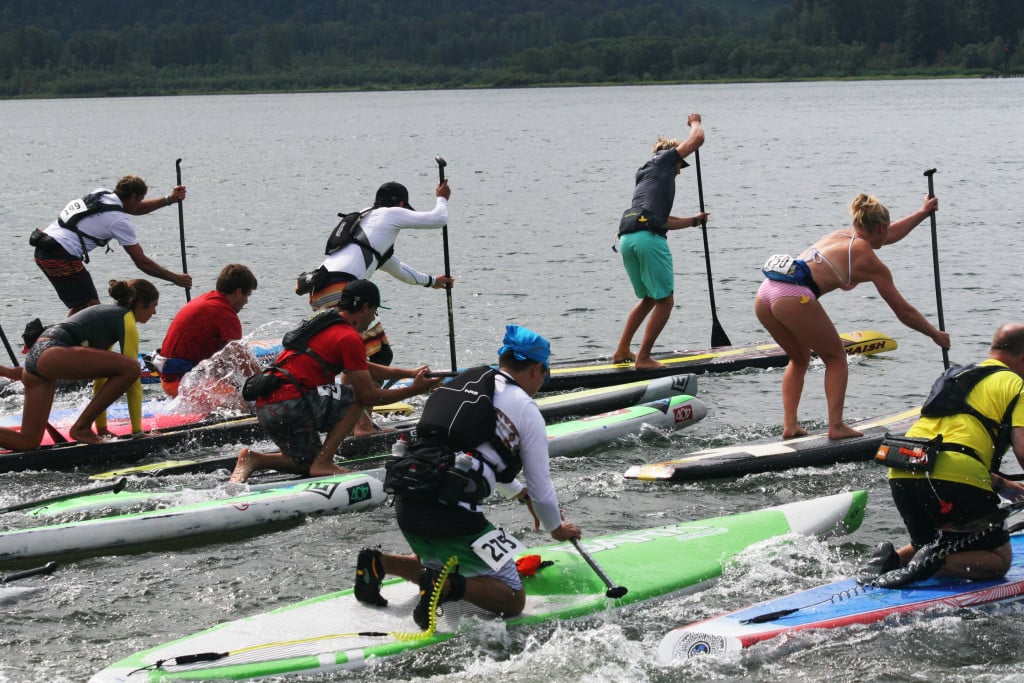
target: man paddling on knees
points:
(297, 397)
(443, 517)
(62, 248)
(951, 506)
(643, 242)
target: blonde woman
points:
(788, 307)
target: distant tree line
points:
(67, 48)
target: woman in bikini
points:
(76, 349)
(792, 314)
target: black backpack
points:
(457, 418)
(948, 396)
(349, 230)
(77, 209)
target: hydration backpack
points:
(350, 231)
(948, 396)
(77, 209)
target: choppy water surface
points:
(539, 178)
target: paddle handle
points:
(181, 230)
(935, 264)
(441, 163)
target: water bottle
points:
(398, 448)
(463, 463)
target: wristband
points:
(167, 200)
(430, 281)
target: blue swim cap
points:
(525, 344)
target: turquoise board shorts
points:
(648, 262)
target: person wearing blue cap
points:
(449, 521)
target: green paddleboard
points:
(335, 631)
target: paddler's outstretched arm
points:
(901, 228)
(369, 394)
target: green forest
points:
(65, 48)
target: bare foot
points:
(794, 433)
(334, 469)
(627, 357)
(843, 432)
(85, 435)
(648, 364)
(243, 468)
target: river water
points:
(539, 178)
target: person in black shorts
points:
(952, 512)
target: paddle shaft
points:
(613, 590)
(441, 163)
(47, 568)
(935, 264)
(50, 429)
(7, 344)
(181, 230)
(718, 335)
(116, 487)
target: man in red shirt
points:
(204, 326)
(298, 397)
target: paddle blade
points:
(47, 568)
(770, 616)
(718, 335)
(616, 592)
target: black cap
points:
(359, 293)
(390, 194)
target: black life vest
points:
(269, 379)
(77, 209)
(460, 414)
(350, 231)
(948, 396)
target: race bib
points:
(497, 548)
(74, 207)
(779, 263)
(332, 390)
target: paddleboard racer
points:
(459, 554)
(944, 474)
